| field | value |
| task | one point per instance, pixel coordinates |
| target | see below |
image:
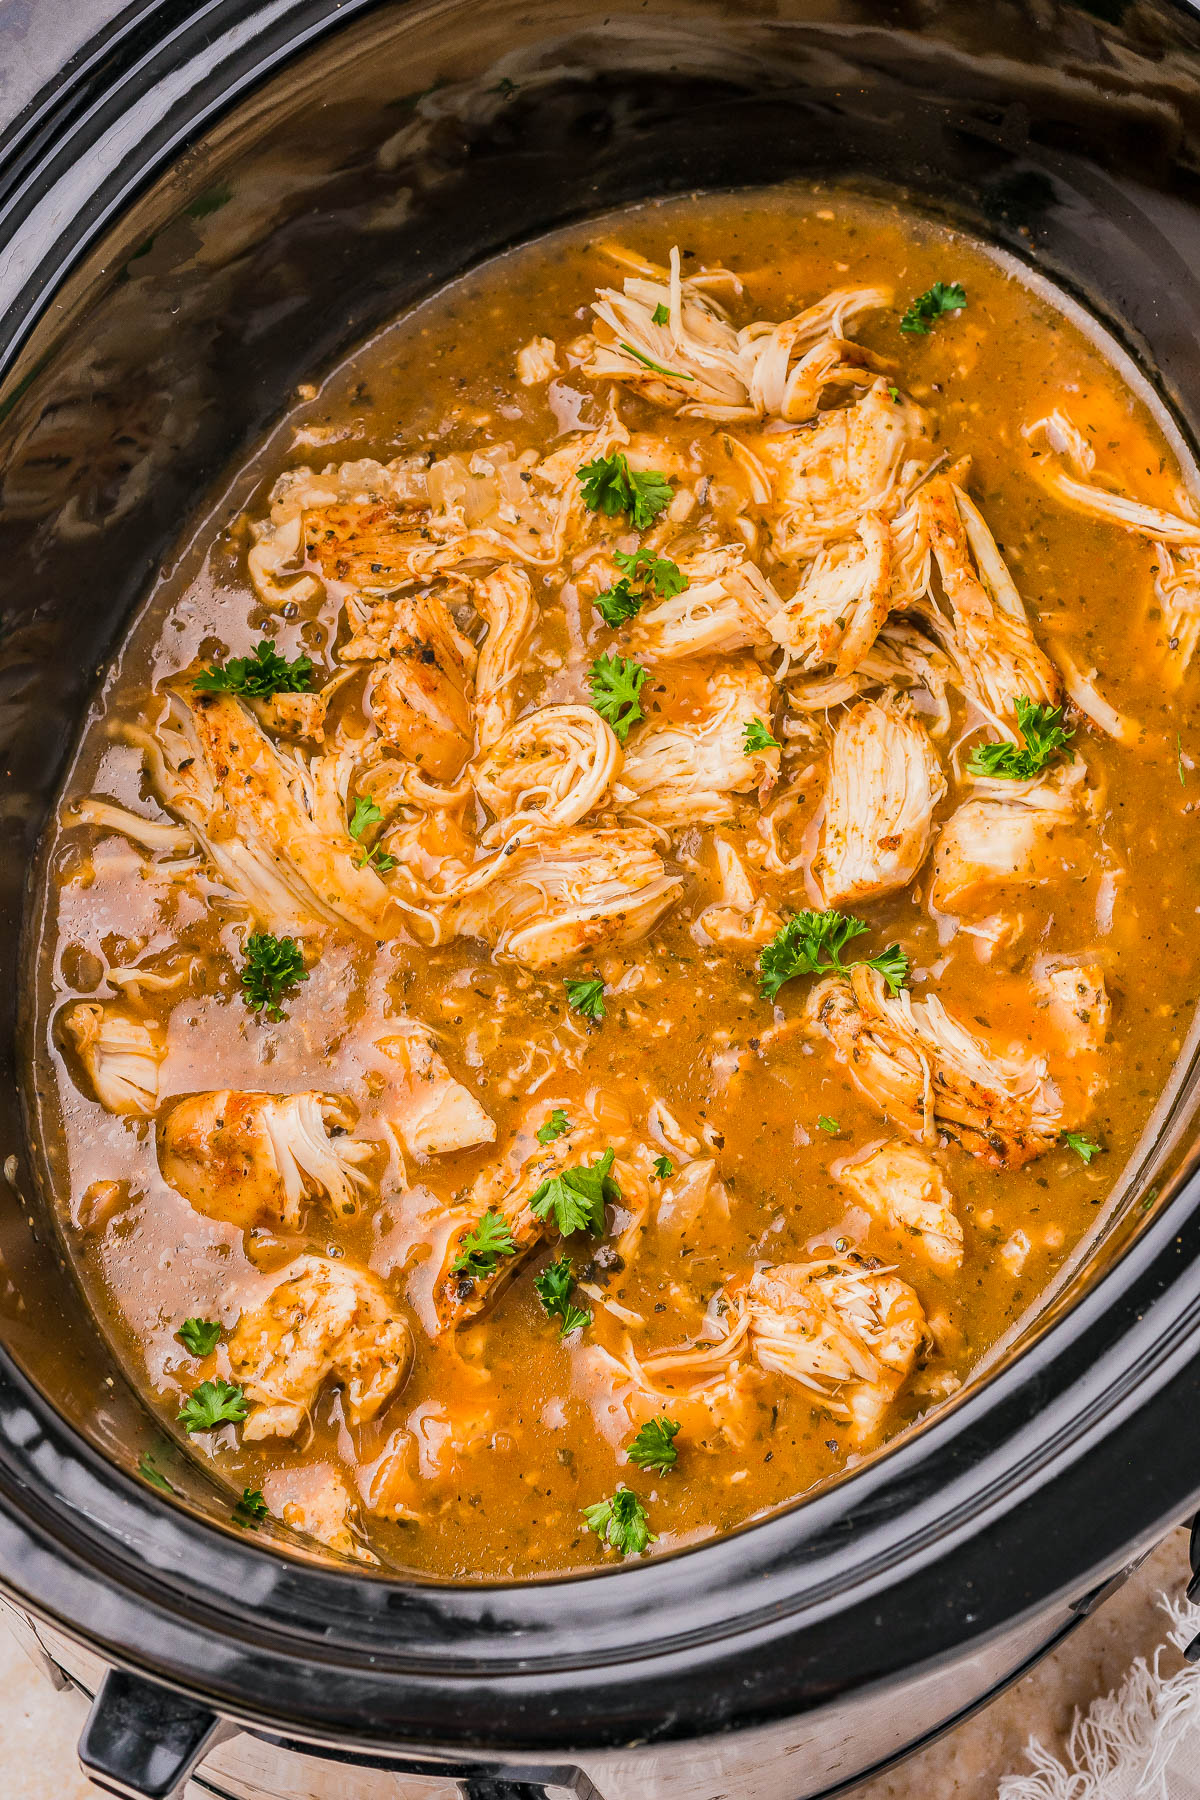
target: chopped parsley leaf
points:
(615, 683)
(757, 737)
(488, 1239)
(200, 1336)
(825, 1123)
(1084, 1147)
(251, 1509)
(942, 297)
(577, 1197)
(273, 965)
(211, 1404)
(811, 943)
(553, 1287)
(1044, 735)
(586, 996)
(610, 487)
(148, 1472)
(664, 1168)
(618, 603)
(554, 1127)
(649, 363)
(661, 314)
(257, 677)
(621, 1522)
(654, 1446)
(643, 573)
(366, 814)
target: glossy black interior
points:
(300, 177)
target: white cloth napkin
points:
(1141, 1742)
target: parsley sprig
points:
(577, 1197)
(554, 1126)
(757, 737)
(622, 1522)
(200, 1336)
(811, 943)
(554, 1286)
(585, 996)
(1045, 738)
(942, 297)
(615, 684)
(664, 1168)
(610, 487)
(273, 966)
(211, 1404)
(365, 815)
(251, 1509)
(257, 677)
(479, 1249)
(642, 574)
(1084, 1147)
(654, 1445)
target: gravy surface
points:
(739, 1122)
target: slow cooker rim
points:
(19, 1398)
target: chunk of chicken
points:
(324, 1320)
(848, 462)
(902, 1187)
(930, 1075)
(122, 1055)
(294, 715)
(844, 596)
(740, 915)
(420, 699)
(727, 605)
(1064, 462)
(504, 601)
(252, 1159)
(1016, 835)
(537, 361)
(345, 520)
(432, 1112)
(884, 781)
(1074, 1013)
(547, 771)
(695, 361)
(901, 658)
(987, 634)
(576, 892)
(314, 1499)
(678, 775)
(272, 823)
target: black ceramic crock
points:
(206, 204)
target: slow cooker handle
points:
(142, 1742)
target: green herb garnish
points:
(621, 1522)
(610, 487)
(1042, 729)
(654, 1446)
(553, 1287)
(554, 1127)
(273, 965)
(825, 1123)
(1084, 1147)
(615, 682)
(366, 814)
(757, 737)
(643, 573)
(577, 1197)
(251, 1509)
(811, 943)
(661, 314)
(213, 1403)
(586, 997)
(148, 1472)
(200, 1336)
(257, 677)
(649, 362)
(478, 1250)
(942, 297)
(664, 1168)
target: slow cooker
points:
(205, 204)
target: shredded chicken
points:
(843, 598)
(1016, 834)
(324, 1319)
(504, 600)
(572, 893)
(884, 781)
(121, 1053)
(1065, 465)
(987, 633)
(537, 361)
(432, 1112)
(1073, 1007)
(420, 698)
(902, 1187)
(740, 915)
(677, 775)
(727, 605)
(931, 1076)
(547, 771)
(253, 1159)
(314, 1499)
